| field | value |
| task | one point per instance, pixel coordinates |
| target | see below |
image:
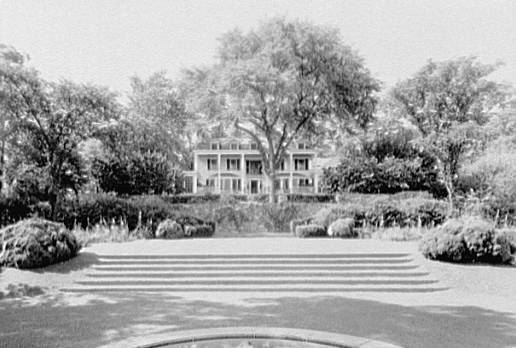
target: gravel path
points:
(468, 306)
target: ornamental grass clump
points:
(35, 243)
(468, 239)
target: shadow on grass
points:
(81, 261)
(110, 319)
(21, 290)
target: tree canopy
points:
(448, 101)
(284, 80)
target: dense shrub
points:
(199, 231)
(135, 173)
(306, 231)
(325, 216)
(169, 229)
(468, 239)
(511, 237)
(35, 243)
(299, 222)
(90, 210)
(152, 210)
(277, 217)
(13, 210)
(343, 228)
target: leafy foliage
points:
(448, 101)
(385, 160)
(48, 121)
(468, 240)
(131, 165)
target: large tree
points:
(10, 59)
(157, 112)
(448, 102)
(47, 123)
(282, 81)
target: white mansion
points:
(233, 166)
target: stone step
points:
(252, 256)
(235, 267)
(322, 273)
(253, 281)
(257, 288)
(246, 273)
(254, 261)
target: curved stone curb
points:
(299, 335)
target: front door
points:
(254, 186)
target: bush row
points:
(93, 209)
(210, 197)
(184, 228)
(386, 213)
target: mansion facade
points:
(235, 167)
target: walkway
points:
(117, 295)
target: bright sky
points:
(106, 41)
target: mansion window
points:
(210, 182)
(234, 146)
(211, 164)
(214, 146)
(254, 167)
(254, 146)
(232, 164)
(301, 146)
(301, 164)
(305, 182)
(282, 165)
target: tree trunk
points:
(272, 191)
(449, 190)
(2, 165)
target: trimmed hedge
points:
(385, 212)
(35, 243)
(299, 222)
(467, 240)
(136, 212)
(307, 231)
(310, 197)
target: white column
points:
(219, 168)
(316, 183)
(242, 173)
(291, 174)
(194, 183)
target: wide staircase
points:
(321, 273)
